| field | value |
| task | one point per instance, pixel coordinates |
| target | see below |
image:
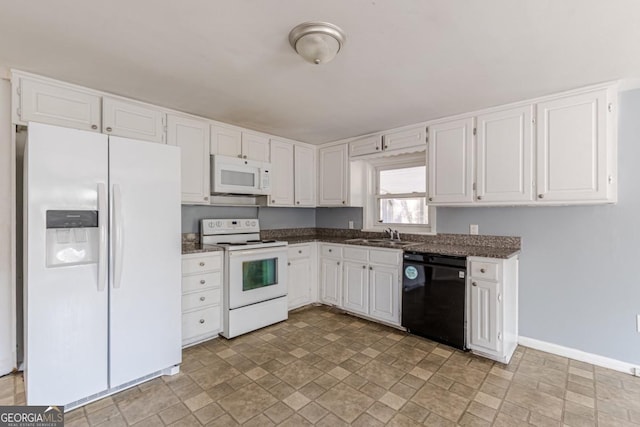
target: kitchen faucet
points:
(393, 234)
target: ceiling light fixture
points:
(317, 42)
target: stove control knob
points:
(247, 223)
(253, 223)
(219, 223)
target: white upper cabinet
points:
(237, 143)
(132, 120)
(255, 147)
(450, 162)
(304, 175)
(61, 105)
(504, 155)
(281, 174)
(192, 136)
(333, 175)
(364, 146)
(574, 148)
(405, 140)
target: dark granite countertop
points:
(444, 244)
(196, 247)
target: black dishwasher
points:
(433, 297)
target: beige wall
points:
(7, 260)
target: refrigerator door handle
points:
(102, 231)
(118, 236)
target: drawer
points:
(385, 257)
(201, 322)
(333, 251)
(484, 270)
(201, 263)
(201, 281)
(356, 254)
(301, 251)
(201, 299)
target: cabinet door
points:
(385, 291)
(58, 105)
(366, 145)
(192, 136)
(483, 315)
(333, 176)
(504, 155)
(255, 147)
(132, 120)
(281, 174)
(226, 141)
(299, 291)
(330, 281)
(406, 140)
(571, 148)
(355, 282)
(304, 168)
(450, 167)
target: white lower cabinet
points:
(330, 274)
(385, 293)
(355, 279)
(492, 307)
(301, 288)
(201, 296)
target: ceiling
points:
(405, 61)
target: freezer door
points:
(145, 289)
(66, 302)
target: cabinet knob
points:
(479, 197)
(108, 129)
(330, 250)
(385, 146)
(288, 263)
(244, 157)
(202, 282)
(474, 284)
(299, 251)
(370, 268)
(202, 298)
(273, 201)
(201, 264)
(94, 126)
(364, 266)
(344, 203)
(431, 199)
(482, 270)
(338, 262)
(297, 203)
(239, 156)
(201, 320)
(540, 196)
(206, 198)
(377, 148)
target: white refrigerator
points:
(102, 264)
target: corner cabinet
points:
(201, 296)
(192, 136)
(492, 308)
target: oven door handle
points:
(260, 251)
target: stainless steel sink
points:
(381, 242)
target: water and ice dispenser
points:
(72, 238)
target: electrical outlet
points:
(350, 225)
(638, 322)
(473, 229)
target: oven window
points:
(244, 179)
(259, 273)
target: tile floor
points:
(330, 369)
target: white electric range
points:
(255, 274)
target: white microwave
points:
(231, 175)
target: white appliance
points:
(102, 264)
(230, 175)
(255, 284)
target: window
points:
(398, 196)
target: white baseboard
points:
(582, 356)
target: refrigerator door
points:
(145, 294)
(66, 304)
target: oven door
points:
(256, 275)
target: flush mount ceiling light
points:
(317, 42)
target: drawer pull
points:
(300, 251)
(94, 126)
(202, 282)
(330, 250)
(474, 284)
(202, 298)
(482, 270)
(289, 263)
(201, 320)
(201, 264)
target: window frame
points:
(372, 207)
